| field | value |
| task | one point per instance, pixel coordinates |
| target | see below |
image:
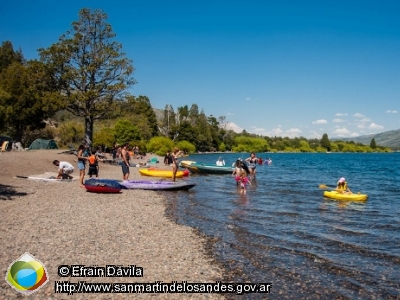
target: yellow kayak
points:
(161, 173)
(351, 197)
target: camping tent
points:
(43, 144)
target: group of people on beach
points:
(65, 169)
(134, 152)
(242, 170)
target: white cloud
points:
(358, 115)
(344, 132)
(321, 121)
(361, 126)
(375, 126)
(230, 114)
(278, 131)
(293, 131)
(354, 134)
(234, 127)
(391, 111)
(315, 135)
(248, 99)
(273, 132)
(341, 114)
(338, 121)
(364, 120)
(257, 130)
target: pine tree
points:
(373, 144)
(91, 71)
(325, 142)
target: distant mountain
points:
(387, 139)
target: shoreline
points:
(60, 223)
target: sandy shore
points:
(60, 223)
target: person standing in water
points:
(243, 182)
(252, 161)
(175, 155)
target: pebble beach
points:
(60, 223)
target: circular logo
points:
(26, 274)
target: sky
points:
(273, 68)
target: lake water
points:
(286, 233)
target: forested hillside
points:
(389, 139)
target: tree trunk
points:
(89, 130)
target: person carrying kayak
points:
(342, 186)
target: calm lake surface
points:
(286, 233)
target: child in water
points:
(237, 171)
(243, 181)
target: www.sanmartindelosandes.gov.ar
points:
(71, 288)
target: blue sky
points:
(276, 68)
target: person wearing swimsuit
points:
(175, 155)
(252, 161)
(243, 182)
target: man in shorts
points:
(125, 162)
(64, 169)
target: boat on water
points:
(154, 172)
(350, 197)
(160, 185)
(204, 168)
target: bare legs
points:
(81, 177)
(174, 170)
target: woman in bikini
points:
(175, 155)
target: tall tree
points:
(214, 131)
(140, 106)
(373, 144)
(21, 105)
(325, 142)
(167, 120)
(203, 141)
(8, 55)
(193, 114)
(91, 71)
(183, 114)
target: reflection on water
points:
(285, 232)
